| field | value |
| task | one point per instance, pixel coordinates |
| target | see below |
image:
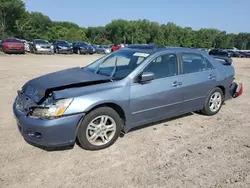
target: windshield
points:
(62, 42)
(119, 64)
(41, 42)
(12, 40)
(82, 44)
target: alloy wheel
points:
(215, 101)
(101, 130)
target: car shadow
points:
(63, 148)
(50, 149)
(164, 121)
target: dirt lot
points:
(192, 151)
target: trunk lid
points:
(224, 60)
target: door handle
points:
(175, 84)
(211, 77)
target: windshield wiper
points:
(114, 69)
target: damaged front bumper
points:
(48, 132)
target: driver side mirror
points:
(146, 77)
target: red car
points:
(12, 45)
(246, 54)
(114, 47)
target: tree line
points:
(16, 21)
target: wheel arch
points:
(222, 89)
(112, 105)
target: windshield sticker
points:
(141, 54)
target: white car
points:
(26, 45)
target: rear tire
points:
(94, 134)
(213, 102)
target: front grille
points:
(46, 47)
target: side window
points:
(163, 66)
(195, 63)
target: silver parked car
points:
(134, 86)
(41, 46)
(103, 49)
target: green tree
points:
(17, 22)
(10, 11)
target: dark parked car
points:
(120, 91)
(83, 48)
(63, 47)
(245, 54)
(235, 54)
(41, 46)
(13, 46)
(219, 52)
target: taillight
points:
(240, 90)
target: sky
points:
(227, 15)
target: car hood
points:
(39, 88)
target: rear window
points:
(12, 40)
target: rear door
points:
(198, 78)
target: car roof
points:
(151, 49)
(14, 39)
(39, 39)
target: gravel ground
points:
(190, 151)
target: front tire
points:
(213, 102)
(99, 129)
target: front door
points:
(160, 97)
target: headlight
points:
(37, 46)
(53, 110)
(52, 47)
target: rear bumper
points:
(50, 133)
(233, 91)
(10, 51)
(236, 89)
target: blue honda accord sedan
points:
(137, 85)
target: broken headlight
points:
(52, 110)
